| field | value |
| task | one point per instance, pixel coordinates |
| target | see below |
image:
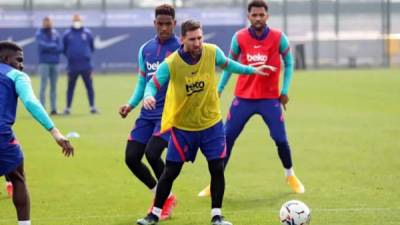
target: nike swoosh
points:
(208, 36)
(23, 42)
(101, 44)
(257, 46)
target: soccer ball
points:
(295, 212)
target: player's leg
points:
(182, 147)
(214, 149)
(164, 187)
(154, 149)
(72, 78)
(272, 114)
(53, 88)
(44, 72)
(21, 195)
(239, 113)
(135, 150)
(88, 80)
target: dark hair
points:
(165, 9)
(189, 25)
(257, 4)
(9, 45)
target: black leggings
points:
(171, 172)
(133, 158)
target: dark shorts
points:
(144, 129)
(11, 156)
(183, 145)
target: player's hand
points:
(284, 99)
(149, 103)
(63, 142)
(262, 69)
(125, 110)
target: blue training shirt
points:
(151, 55)
(14, 84)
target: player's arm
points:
(25, 92)
(138, 92)
(234, 53)
(234, 67)
(159, 79)
(287, 56)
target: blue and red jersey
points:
(268, 48)
(151, 55)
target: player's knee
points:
(151, 156)
(279, 139)
(216, 167)
(282, 145)
(172, 170)
(133, 153)
(17, 176)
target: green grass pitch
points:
(343, 127)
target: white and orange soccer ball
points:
(295, 212)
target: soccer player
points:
(145, 137)
(260, 94)
(192, 114)
(16, 84)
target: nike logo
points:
(208, 36)
(24, 42)
(101, 44)
(257, 46)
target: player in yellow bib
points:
(192, 114)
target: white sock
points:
(156, 211)
(154, 189)
(216, 212)
(24, 222)
(289, 172)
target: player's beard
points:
(196, 53)
(258, 26)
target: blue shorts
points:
(11, 156)
(243, 109)
(144, 129)
(183, 145)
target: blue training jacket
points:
(78, 48)
(49, 45)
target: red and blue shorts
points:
(183, 145)
(11, 156)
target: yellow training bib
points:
(192, 101)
